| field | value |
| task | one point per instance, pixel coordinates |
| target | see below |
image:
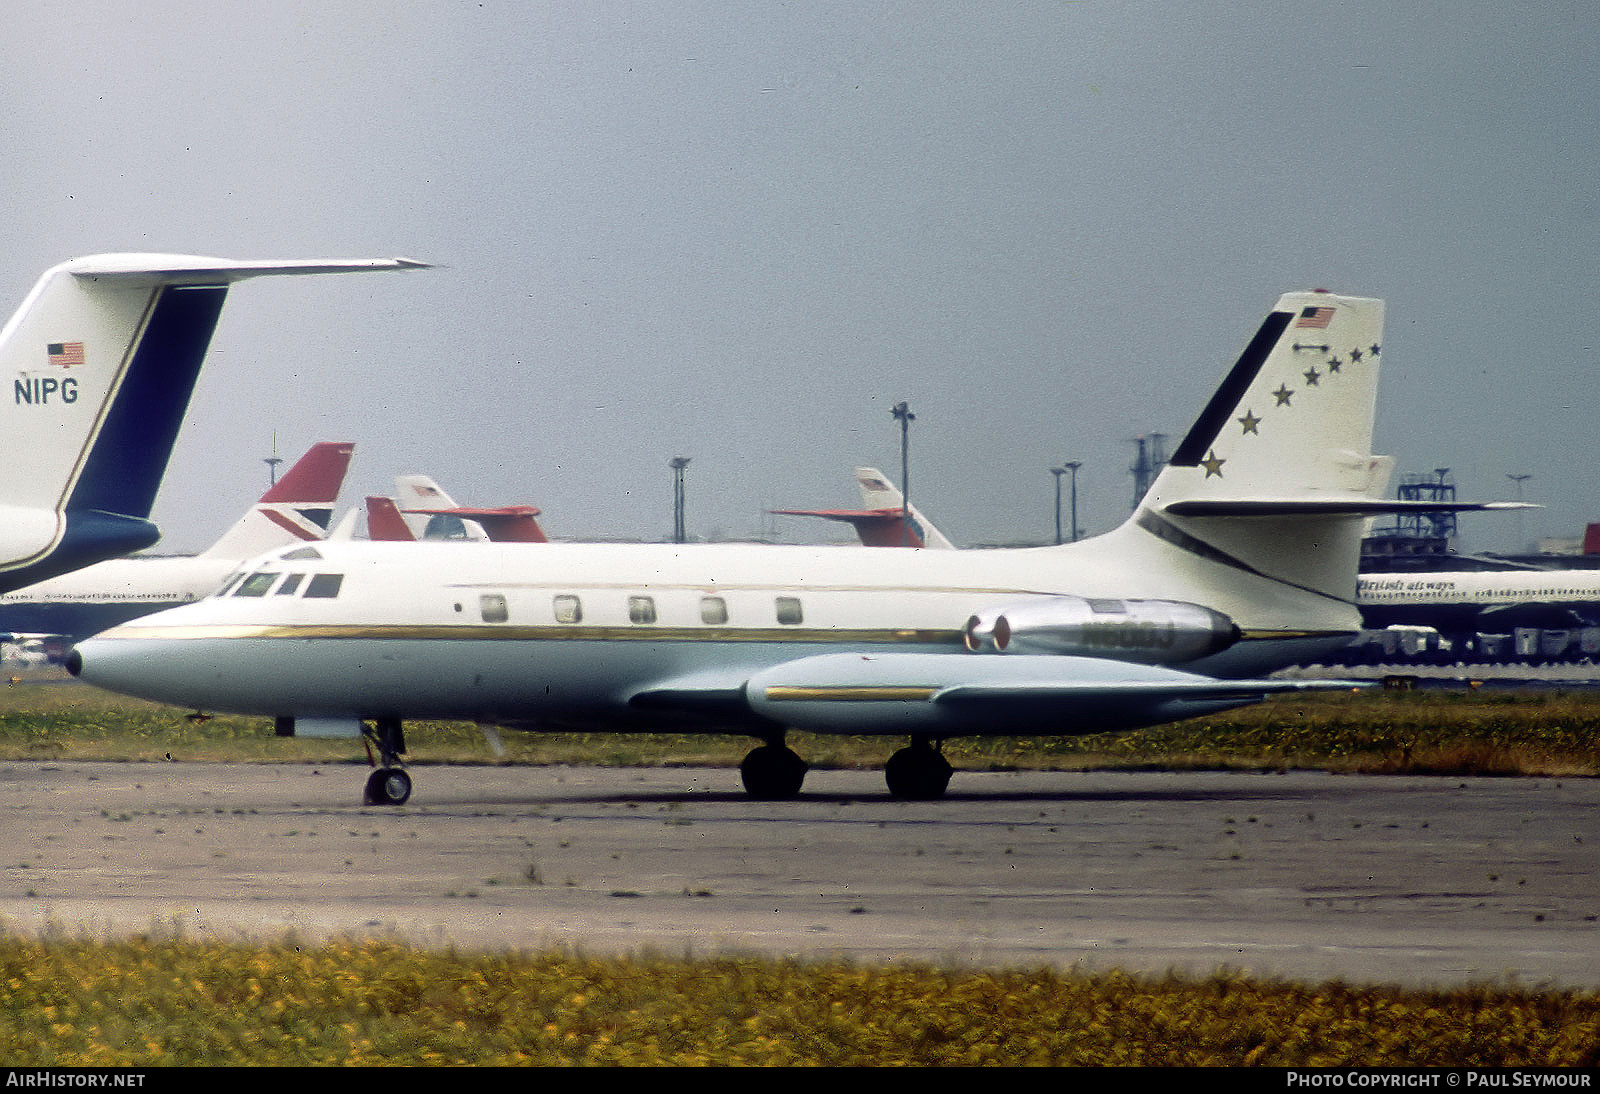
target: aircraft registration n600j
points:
(1241, 559)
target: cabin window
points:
(569, 609)
(256, 584)
(324, 586)
(492, 606)
(789, 613)
(713, 610)
(641, 609)
(290, 584)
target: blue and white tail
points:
(102, 357)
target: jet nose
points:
(128, 666)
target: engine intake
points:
(1150, 632)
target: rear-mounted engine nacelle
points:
(1151, 632)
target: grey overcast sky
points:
(741, 232)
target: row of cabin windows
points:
(641, 609)
(321, 586)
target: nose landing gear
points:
(388, 784)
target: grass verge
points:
(167, 1002)
(1455, 732)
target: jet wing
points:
(940, 693)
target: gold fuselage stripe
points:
(842, 694)
(640, 632)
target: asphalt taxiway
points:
(1304, 876)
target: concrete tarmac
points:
(1303, 876)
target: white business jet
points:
(102, 356)
(1241, 559)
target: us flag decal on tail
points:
(65, 354)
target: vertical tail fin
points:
(298, 507)
(1275, 476)
(345, 530)
(103, 355)
(420, 496)
(881, 521)
(385, 523)
(878, 493)
(420, 493)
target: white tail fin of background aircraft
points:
(878, 493)
(297, 508)
(102, 356)
(422, 493)
(507, 524)
(881, 522)
(346, 528)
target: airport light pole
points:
(1072, 466)
(678, 463)
(273, 461)
(902, 414)
(1058, 472)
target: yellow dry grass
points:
(169, 1002)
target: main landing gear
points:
(773, 772)
(388, 784)
(918, 772)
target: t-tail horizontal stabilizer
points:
(103, 355)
